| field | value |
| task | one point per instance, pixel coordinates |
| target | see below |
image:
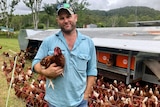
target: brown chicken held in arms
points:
(57, 58)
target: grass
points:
(9, 45)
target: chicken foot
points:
(51, 84)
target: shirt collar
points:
(80, 37)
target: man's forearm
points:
(38, 68)
(90, 83)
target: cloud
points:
(113, 4)
(99, 4)
(21, 8)
(150, 3)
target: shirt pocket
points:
(82, 60)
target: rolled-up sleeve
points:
(92, 63)
(42, 52)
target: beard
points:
(68, 31)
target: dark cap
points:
(65, 6)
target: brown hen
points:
(57, 58)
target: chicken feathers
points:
(57, 58)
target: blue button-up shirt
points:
(80, 62)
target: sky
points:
(99, 4)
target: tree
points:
(114, 21)
(3, 8)
(122, 22)
(132, 18)
(10, 16)
(145, 18)
(7, 9)
(50, 10)
(34, 5)
(17, 22)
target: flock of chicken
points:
(111, 93)
(30, 87)
(27, 85)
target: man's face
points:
(66, 21)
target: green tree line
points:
(113, 18)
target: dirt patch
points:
(1, 102)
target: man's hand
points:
(53, 71)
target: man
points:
(80, 71)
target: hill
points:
(120, 16)
(126, 11)
(140, 11)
